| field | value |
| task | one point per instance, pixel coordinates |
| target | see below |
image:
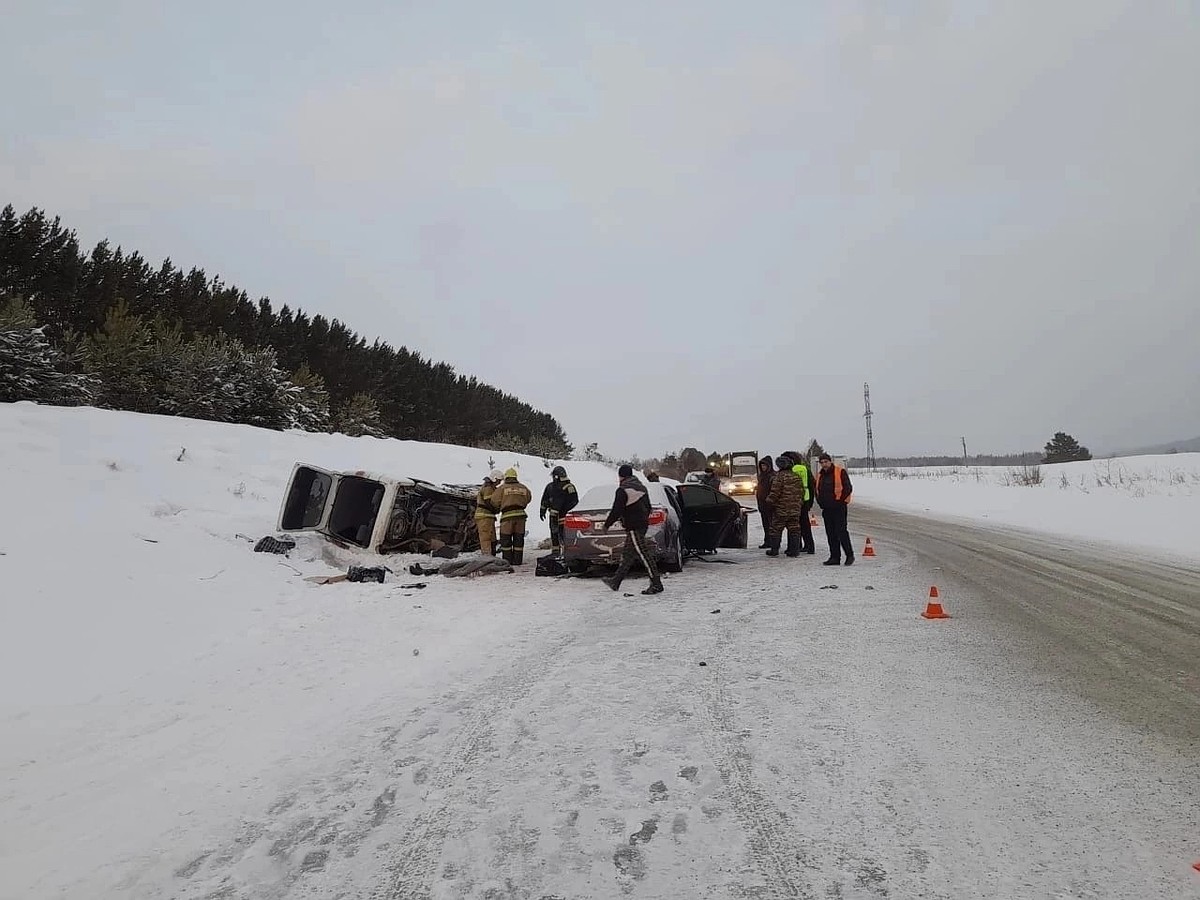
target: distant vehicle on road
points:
(702, 477)
(743, 472)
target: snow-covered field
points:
(183, 718)
(1148, 502)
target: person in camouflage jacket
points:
(786, 501)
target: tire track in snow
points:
(773, 850)
(411, 875)
(312, 832)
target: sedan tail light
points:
(579, 523)
(657, 516)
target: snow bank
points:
(140, 633)
(1147, 502)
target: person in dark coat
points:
(558, 499)
(631, 506)
(766, 472)
(711, 478)
(785, 500)
(833, 495)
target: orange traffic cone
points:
(868, 550)
(1196, 865)
(933, 609)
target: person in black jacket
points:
(833, 494)
(558, 499)
(766, 472)
(631, 506)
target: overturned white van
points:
(377, 512)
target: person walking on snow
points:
(833, 495)
(511, 497)
(485, 513)
(632, 506)
(558, 499)
(766, 472)
(785, 501)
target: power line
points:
(870, 433)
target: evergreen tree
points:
(32, 369)
(360, 417)
(120, 355)
(145, 354)
(692, 460)
(17, 314)
(669, 467)
(1064, 448)
(218, 378)
(266, 396)
(311, 410)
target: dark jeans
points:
(556, 531)
(764, 514)
(836, 530)
(807, 544)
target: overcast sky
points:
(699, 223)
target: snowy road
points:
(834, 745)
(1121, 627)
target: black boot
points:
(656, 586)
(793, 544)
(832, 562)
(613, 581)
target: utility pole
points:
(964, 440)
(870, 436)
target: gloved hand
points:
(542, 515)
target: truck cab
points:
(743, 472)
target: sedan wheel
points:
(674, 562)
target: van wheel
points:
(674, 562)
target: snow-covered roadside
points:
(185, 718)
(146, 651)
(1151, 503)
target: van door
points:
(308, 499)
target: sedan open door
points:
(711, 519)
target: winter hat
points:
(510, 473)
(625, 471)
(825, 456)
